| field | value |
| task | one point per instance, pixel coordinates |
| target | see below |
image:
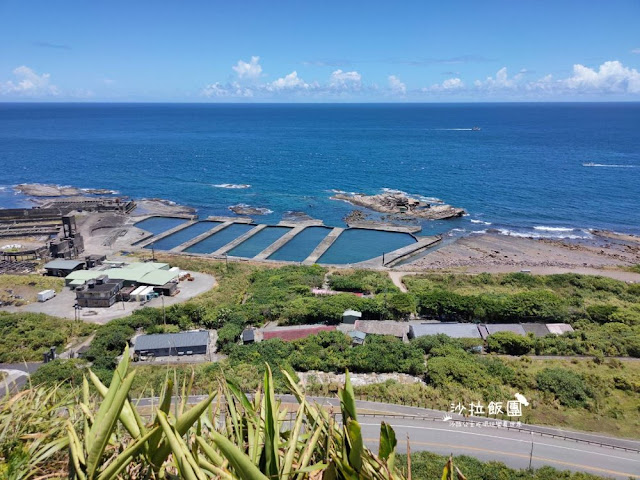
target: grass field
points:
(27, 287)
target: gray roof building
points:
(383, 327)
(163, 344)
(453, 330)
(490, 329)
(61, 267)
(538, 329)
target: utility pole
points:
(164, 314)
(531, 456)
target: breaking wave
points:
(547, 232)
(232, 185)
(553, 229)
(480, 222)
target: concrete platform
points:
(323, 246)
(385, 227)
(275, 246)
(200, 237)
(223, 219)
(397, 256)
(233, 244)
(151, 240)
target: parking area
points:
(62, 305)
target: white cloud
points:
(233, 89)
(289, 82)
(452, 84)
(449, 85)
(346, 81)
(636, 51)
(611, 77)
(28, 83)
(396, 86)
(250, 70)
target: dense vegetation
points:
(332, 352)
(95, 432)
(522, 297)
(427, 466)
(26, 336)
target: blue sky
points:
(329, 51)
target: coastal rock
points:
(40, 190)
(244, 209)
(160, 206)
(355, 216)
(400, 204)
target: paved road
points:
(558, 448)
(18, 373)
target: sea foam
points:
(232, 185)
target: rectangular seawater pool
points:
(220, 239)
(258, 242)
(357, 245)
(300, 247)
(157, 225)
(182, 236)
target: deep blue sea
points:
(532, 169)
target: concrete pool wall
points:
(286, 242)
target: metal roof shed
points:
(505, 327)
(158, 277)
(453, 330)
(80, 275)
(166, 344)
(559, 328)
(538, 329)
(357, 337)
(62, 264)
(350, 316)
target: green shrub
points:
(601, 313)
(67, 372)
(568, 387)
(365, 281)
(509, 343)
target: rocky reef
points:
(244, 209)
(40, 190)
(401, 204)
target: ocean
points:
(545, 170)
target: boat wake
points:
(608, 165)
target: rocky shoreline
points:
(494, 252)
(400, 204)
(41, 190)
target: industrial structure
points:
(101, 292)
(168, 344)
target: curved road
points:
(426, 430)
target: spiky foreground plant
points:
(234, 437)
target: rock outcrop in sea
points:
(400, 204)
